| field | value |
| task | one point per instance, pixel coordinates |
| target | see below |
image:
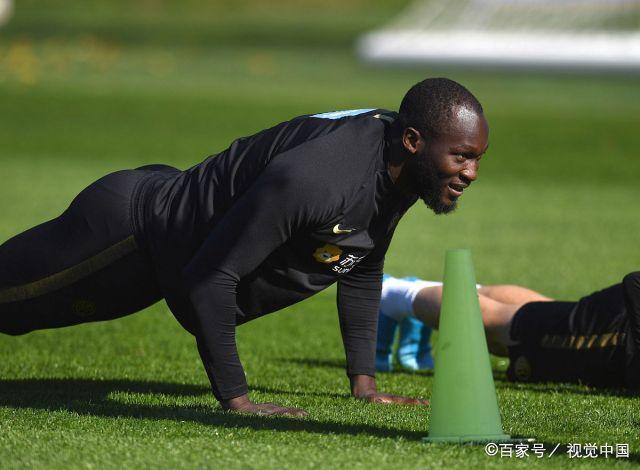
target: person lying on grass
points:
(271, 220)
(595, 340)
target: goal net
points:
(567, 34)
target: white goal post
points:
(6, 9)
(564, 34)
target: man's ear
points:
(412, 140)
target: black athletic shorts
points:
(593, 341)
(85, 265)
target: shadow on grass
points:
(566, 387)
(91, 397)
(499, 376)
(259, 388)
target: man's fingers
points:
(417, 401)
(269, 409)
(287, 411)
(395, 399)
(295, 412)
(377, 399)
(412, 401)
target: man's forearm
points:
(226, 382)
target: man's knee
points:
(12, 330)
(497, 318)
(631, 291)
(10, 325)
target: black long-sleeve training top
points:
(270, 221)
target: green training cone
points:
(464, 407)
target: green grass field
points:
(90, 87)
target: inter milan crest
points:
(327, 254)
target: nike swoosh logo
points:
(338, 230)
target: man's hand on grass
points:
(364, 388)
(242, 404)
(387, 398)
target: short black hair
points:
(428, 105)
